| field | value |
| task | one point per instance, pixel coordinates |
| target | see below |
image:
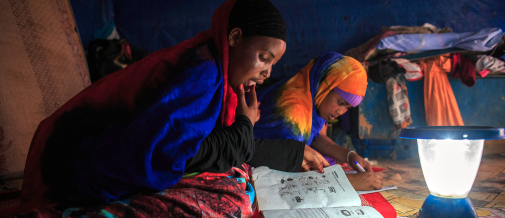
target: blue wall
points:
(314, 27)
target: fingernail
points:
(240, 86)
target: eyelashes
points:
(262, 58)
(341, 103)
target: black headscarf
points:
(257, 17)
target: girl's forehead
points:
(338, 97)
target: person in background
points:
(300, 107)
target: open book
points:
(308, 194)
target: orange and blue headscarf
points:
(289, 107)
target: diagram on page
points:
(337, 212)
(281, 190)
(305, 188)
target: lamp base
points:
(447, 207)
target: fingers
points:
(259, 111)
(362, 162)
(252, 96)
(365, 181)
(376, 180)
(241, 96)
(367, 166)
(355, 167)
(311, 164)
(320, 161)
(323, 160)
(305, 168)
(319, 167)
(313, 160)
(355, 157)
(377, 185)
(378, 176)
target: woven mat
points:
(42, 65)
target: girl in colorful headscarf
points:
(179, 110)
(300, 107)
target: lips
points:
(332, 117)
(248, 85)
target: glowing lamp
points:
(450, 157)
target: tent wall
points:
(315, 27)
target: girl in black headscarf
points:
(179, 110)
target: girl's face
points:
(332, 106)
(252, 58)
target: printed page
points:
(337, 212)
(281, 190)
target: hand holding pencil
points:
(366, 179)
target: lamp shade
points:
(453, 132)
(450, 156)
(450, 166)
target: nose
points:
(266, 73)
(341, 111)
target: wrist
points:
(340, 154)
(245, 118)
(348, 154)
